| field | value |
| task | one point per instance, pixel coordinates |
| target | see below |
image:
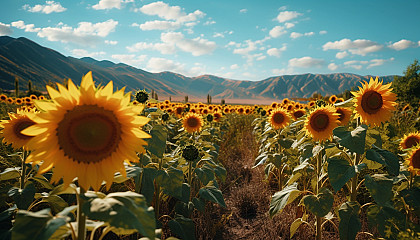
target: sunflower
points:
(241, 110)
(321, 122)
(12, 128)
(179, 111)
(41, 97)
(285, 101)
(298, 113)
(374, 102)
(344, 115)
(18, 101)
(217, 116)
(333, 99)
(413, 160)
(3, 97)
(311, 104)
(274, 105)
(279, 118)
(410, 140)
(33, 97)
(87, 133)
(192, 122)
(10, 100)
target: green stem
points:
(318, 183)
(139, 181)
(353, 190)
(81, 217)
(280, 179)
(410, 184)
(23, 173)
(157, 192)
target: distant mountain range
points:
(27, 60)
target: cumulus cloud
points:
(159, 25)
(295, 35)
(161, 64)
(277, 31)
(5, 29)
(234, 66)
(402, 44)
(287, 15)
(276, 52)
(27, 27)
(108, 4)
(369, 64)
(109, 42)
(341, 55)
(49, 7)
(358, 46)
(289, 25)
(130, 59)
(251, 46)
(306, 62)
(332, 66)
(84, 53)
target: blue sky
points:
(245, 40)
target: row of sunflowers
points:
(84, 145)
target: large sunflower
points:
(86, 133)
(192, 122)
(374, 102)
(410, 140)
(279, 118)
(344, 115)
(321, 122)
(12, 128)
(413, 160)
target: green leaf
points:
(36, 225)
(45, 183)
(6, 223)
(147, 186)
(57, 203)
(182, 227)
(157, 144)
(383, 217)
(205, 174)
(354, 140)
(349, 220)
(23, 197)
(9, 173)
(320, 204)
(213, 194)
(340, 172)
(184, 209)
(170, 180)
(186, 191)
(61, 189)
(126, 210)
(412, 198)
(295, 225)
(385, 158)
(282, 198)
(200, 204)
(380, 187)
(220, 172)
(286, 142)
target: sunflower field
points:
(86, 162)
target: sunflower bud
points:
(142, 96)
(190, 153)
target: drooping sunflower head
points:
(12, 128)
(344, 115)
(410, 140)
(192, 122)
(374, 102)
(86, 133)
(321, 122)
(413, 160)
(190, 153)
(279, 118)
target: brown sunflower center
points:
(192, 122)
(20, 126)
(319, 122)
(371, 102)
(415, 159)
(89, 133)
(411, 141)
(278, 118)
(298, 114)
(341, 115)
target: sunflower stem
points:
(280, 179)
(410, 184)
(81, 217)
(23, 173)
(318, 183)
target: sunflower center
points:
(278, 118)
(192, 122)
(411, 141)
(89, 133)
(416, 159)
(371, 102)
(20, 126)
(319, 122)
(298, 114)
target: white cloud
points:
(86, 33)
(83, 53)
(289, 25)
(162, 64)
(234, 66)
(221, 35)
(107, 4)
(295, 35)
(260, 57)
(369, 64)
(358, 46)
(5, 29)
(130, 59)
(332, 66)
(378, 62)
(276, 51)
(282, 71)
(163, 10)
(159, 25)
(277, 31)
(306, 62)
(402, 44)
(27, 27)
(287, 15)
(163, 48)
(109, 42)
(49, 7)
(252, 46)
(209, 22)
(243, 10)
(322, 32)
(341, 55)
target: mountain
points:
(27, 60)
